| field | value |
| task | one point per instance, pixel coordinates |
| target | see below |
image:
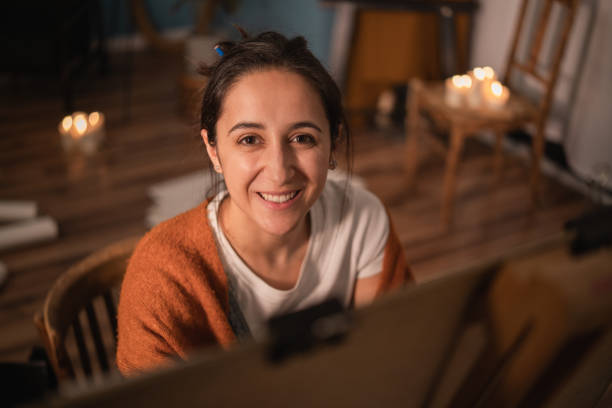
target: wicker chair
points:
(88, 291)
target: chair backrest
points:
(88, 291)
(543, 33)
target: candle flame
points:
(80, 124)
(457, 81)
(496, 88)
(67, 123)
(479, 73)
(489, 73)
(94, 118)
(466, 81)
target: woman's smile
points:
(279, 197)
(280, 201)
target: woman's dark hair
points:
(265, 51)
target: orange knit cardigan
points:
(174, 297)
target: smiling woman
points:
(280, 236)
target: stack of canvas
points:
(20, 224)
(177, 195)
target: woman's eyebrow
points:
(255, 125)
(246, 125)
(299, 125)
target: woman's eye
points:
(304, 139)
(248, 140)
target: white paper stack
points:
(17, 210)
(177, 195)
(29, 231)
(180, 194)
(19, 225)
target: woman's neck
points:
(275, 258)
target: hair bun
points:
(242, 31)
(296, 45)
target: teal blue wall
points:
(290, 17)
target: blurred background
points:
(99, 134)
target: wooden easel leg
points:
(412, 134)
(498, 158)
(452, 160)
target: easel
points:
(508, 332)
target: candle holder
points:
(82, 131)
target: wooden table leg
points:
(498, 159)
(412, 134)
(538, 149)
(452, 160)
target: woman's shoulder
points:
(182, 240)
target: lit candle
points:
(488, 72)
(479, 73)
(65, 128)
(81, 130)
(94, 118)
(496, 95)
(66, 124)
(481, 76)
(80, 126)
(456, 89)
(95, 132)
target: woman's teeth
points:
(278, 198)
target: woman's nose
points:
(280, 164)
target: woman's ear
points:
(332, 160)
(337, 139)
(211, 150)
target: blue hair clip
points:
(219, 50)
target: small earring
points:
(217, 168)
(332, 164)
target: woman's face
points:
(273, 148)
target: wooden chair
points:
(465, 121)
(86, 291)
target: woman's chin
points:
(280, 229)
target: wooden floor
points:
(100, 199)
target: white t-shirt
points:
(345, 244)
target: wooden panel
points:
(391, 47)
